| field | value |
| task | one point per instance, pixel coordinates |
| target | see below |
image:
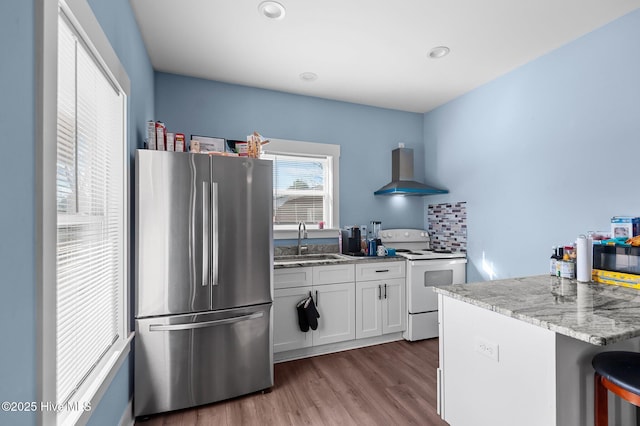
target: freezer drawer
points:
(187, 360)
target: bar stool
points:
(618, 372)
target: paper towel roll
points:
(584, 258)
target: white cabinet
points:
(368, 309)
(333, 290)
(286, 332)
(381, 306)
(394, 306)
(335, 304)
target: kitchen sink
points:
(309, 258)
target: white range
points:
(426, 268)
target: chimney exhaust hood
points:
(402, 182)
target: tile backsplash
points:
(448, 226)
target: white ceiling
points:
(370, 52)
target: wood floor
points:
(388, 384)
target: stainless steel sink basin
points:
(308, 258)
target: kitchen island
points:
(518, 351)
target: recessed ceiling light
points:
(271, 9)
(308, 76)
(438, 52)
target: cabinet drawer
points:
(331, 274)
(292, 277)
(380, 270)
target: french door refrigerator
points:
(203, 279)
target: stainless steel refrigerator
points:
(203, 279)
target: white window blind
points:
(301, 189)
(90, 213)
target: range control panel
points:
(404, 236)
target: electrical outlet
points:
(486, 348)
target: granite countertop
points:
(343, 258)
(599, 314)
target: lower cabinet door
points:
(286, 331)
(336, 305)
(368, 309)
(394, 306)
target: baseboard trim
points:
(334, 347)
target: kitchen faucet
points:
(301, 227)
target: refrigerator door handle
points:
(206, 214)
(214, 233)
(194, 325)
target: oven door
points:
(423, 275)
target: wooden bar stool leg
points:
(601, 410)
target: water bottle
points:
(372, 249)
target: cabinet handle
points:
(381, 270)
(379, 292)
(317, 304)
(385, 291)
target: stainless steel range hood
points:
(402, 182)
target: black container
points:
(616, 258)
(354, 245)
(354, 240)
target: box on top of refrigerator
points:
(171, 141)
(209, 144)
(161, 134)
(181, 145)
(625, 226)
(151, 135)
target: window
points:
(300, 189)
(304, 183)
(85, 291)
(90, 214)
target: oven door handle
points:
(436, 264)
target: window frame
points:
(81, 17)
(310, 149)
(326, 193)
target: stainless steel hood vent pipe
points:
(402, 182)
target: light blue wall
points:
(112, 405)
(545, 152)
(366, 136)
(118, 22)
(17, 216)
(18, 328)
